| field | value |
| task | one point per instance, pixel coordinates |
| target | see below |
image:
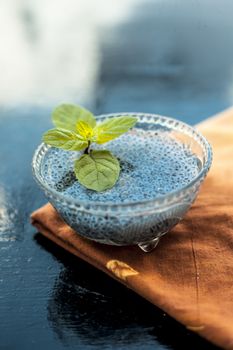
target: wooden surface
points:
(147, 61)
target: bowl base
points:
(150, 245)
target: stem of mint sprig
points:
(76, 129)
(87, 150)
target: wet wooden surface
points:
(158, 58)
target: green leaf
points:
(113, 128)
(64, 139)
(66, 117)
(85, 130)
(98, 170)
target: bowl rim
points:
(176, 125)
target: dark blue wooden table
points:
(167, 57)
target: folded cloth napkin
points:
(190, 274)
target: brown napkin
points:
(190, 274)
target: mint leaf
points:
(66, 116)
(98, 170)
(64, 139)
(113, 128)
(84, 130)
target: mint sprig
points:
(76, 130)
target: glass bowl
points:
(142, 222)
